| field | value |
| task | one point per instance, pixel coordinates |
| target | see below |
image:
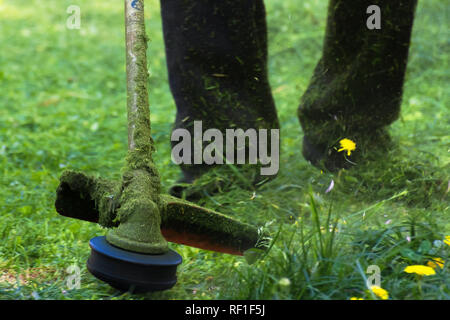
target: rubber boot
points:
(356, 89)
(217, 63)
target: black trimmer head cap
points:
(131, 271)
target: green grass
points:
(62, 105)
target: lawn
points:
(63, 106)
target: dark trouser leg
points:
(217, 62)
(356, 88)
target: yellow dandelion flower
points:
(420, 270)
(348, 145)
(380, 292)
(447, 240)
(355, 298)
(436, 262)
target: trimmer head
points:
(131, 271)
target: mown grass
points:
(63, 106)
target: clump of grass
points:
(423, 178)
(329, 260)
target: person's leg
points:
(356, 88)
(217, 62)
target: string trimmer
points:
(134, 254)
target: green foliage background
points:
(62, 105)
